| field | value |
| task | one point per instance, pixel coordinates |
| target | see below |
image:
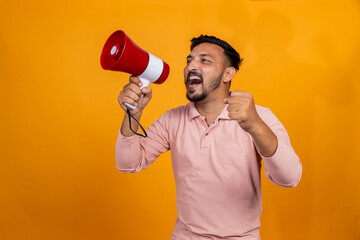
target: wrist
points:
(136, 113)
(257, 127)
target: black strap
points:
(131, 116)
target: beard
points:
(214, 84)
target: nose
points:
(193, 65)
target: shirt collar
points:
(193, 113)
(224, 114)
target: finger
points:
(240, 93)
(238, 116)
(232, 108)
(130, 94)
(128, 100)
(133, 87)
(240, 101)
(232, 115)
(136, 80)
(146, 90)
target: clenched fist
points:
(135, 96)
(242, 109)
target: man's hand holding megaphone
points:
(135, 96)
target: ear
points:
(229, 74)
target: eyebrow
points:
(201, 55)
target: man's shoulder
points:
(183, 109)
(261, 109)
(264, 112)
(175, 115)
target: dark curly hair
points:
(231, 54)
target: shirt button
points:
(206, 134)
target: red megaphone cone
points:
(120, 53)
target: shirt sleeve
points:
(284, 167)
(135, 153)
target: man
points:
(217, 142)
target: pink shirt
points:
(216, 168)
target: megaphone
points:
(120, 53)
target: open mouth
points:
(194, 80)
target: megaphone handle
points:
(145, 84)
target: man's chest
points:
(221, 148)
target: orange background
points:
(60, 116)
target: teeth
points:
(194, 77)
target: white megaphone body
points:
(120, 53)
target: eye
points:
(205, 60)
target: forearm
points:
(264, 138)
(134, 153)
(282, 165)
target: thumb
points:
(147, 91)
(226, 100)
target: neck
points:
(211, 106)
